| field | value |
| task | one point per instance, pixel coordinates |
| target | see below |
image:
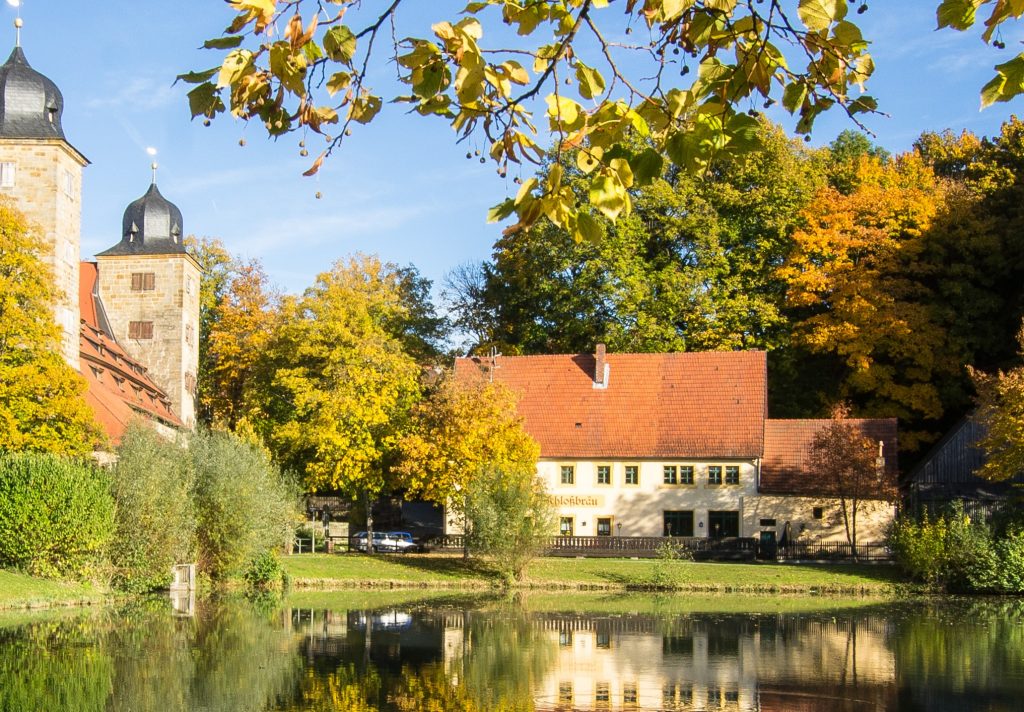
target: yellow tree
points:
(850, 293)
(1001, 411)
(466, 425)
(339, 385)
(245, 321)
(42, 405)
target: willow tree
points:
(42, 399)
(338, 385)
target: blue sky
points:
(401, 188)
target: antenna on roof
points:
(494, 361)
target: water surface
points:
(384, 651)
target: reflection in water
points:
(240, 655)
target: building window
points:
(8, 170)
(190, 383)
(189, 334)
(604, 526)
(140, 330)
(188, 285)
(565, 638)
(143, 281)
(714, 474)
(602, 696)
(732, 474)
(724, 524)
(565, 693)
(565, 526)
(767, 522)
(604, 474)
(604, 639)
(68, 183)
(669, 476)
(686, 474)
(568, 474)
(818, 513)
(678, 523)
(629, 694)
(632, 475)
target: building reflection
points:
(628, 662)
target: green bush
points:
(156, 528)
(950, 552)
(265, 572)
(56, 515)
(244, 506)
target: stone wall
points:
(48, 190)
(172, 306)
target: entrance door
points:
(678, 523)
(723, 524)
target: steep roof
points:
(674, 405)
(787, 449)
(151, 225)
(30, 103)
(119, 388)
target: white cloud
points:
(135, 94)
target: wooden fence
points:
(699, 548)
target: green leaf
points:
(340, 44)
(229, 42)
(817, 15)
(288, 67)
(365, 108)
(236, 64)
(590, 81)
(587, 229)
(1008, 82)
(958, 14)
(337, 82)
(205, 100)
(609, 196)
(501, 211)
(793, 96)
(197, 77)
(647, 166)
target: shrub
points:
(509, 518)
(244, 506)
(56, 515)
(265, 572)
(156, 528)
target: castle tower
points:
(42, 173)
(149, 286)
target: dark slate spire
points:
(151, 226)
(30, 104)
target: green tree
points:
(216, 263)
(509, 518)
(42, 399)
(339, 385)
(151, 483)
(1001, 411)
(56, 515)
(315, 76)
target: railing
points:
(633, 546)
(834, 551)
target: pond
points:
(391, 651)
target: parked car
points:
(399, 542)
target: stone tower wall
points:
(171, 306)
(48, 190)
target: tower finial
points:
(17, 31)
(154, 165)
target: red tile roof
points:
(787, 448)
(119, 387)
(675, 405)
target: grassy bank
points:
(21, 591)
(439, 571)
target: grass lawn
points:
(22, 591)
(453, 572)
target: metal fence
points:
(833, 551)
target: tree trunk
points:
(846, 525)
(369, 531)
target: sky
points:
(400, 188)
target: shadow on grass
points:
(454, 566)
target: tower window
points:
(189, 334)
(8, 170)
(143, 281)
(140, 330)
(68, 181)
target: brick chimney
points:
(600, 368)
